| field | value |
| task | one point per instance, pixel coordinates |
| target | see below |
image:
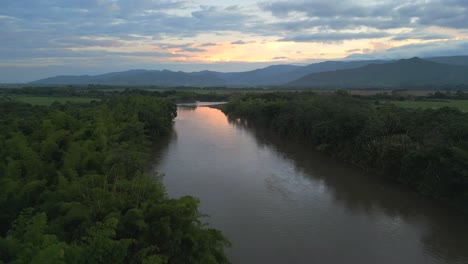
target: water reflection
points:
(279, 201)
(446, 230)
(160, 149)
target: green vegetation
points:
(48, 95)
(73, 187)
(426, 149)
(460, 104)
(48, 100)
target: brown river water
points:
(280, 201)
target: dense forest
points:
(426, 149)
(74, 187)
(182, 94)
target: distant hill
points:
(139, 78)
(453, 60)
(269, 76)
(409, 72)
(332, 66)
(275, 75)
(281, 74)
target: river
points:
(280, 201)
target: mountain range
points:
(369, 73)
(402, 73)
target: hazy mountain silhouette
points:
(271, 75)
(281, 74)
(139, 78)
(275, 75)
(409, 72)
(453, 60)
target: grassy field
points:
(460, 104)
(44, 100)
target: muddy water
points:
(280, 201)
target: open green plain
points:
(460, 104)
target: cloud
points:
(279, 58)
(189, 49)
(6, 18)
(89, 42)
(167, 18)
(239, 42)
(132, 31)
(353, 50)
(421, 35)
(146, 54)
(208, 44)
(141, 17)
(173, 45)
(66, 54)
(334, 36)
(150, 5)
(375, 14)
(424, 50)
(119, 19)
(183, 47)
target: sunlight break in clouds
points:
(50, 37)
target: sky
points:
(71, 37)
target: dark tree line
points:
(73, 187)
(174, 94)
(424, 149)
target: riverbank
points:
(73, 187)
(279, 200)
(425, 149)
